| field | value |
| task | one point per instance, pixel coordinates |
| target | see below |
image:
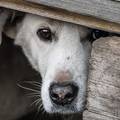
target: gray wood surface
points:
(104, 80)
(58, 14)
(104, 9)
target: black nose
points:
(63, 94)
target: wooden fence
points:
(104, 78)
(72, 16)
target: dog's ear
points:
(13, 24)
(4, 14)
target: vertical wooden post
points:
(104, 80)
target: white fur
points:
(49, 58)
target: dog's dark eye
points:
(45, 34)
(96, 34)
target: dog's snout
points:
(63, 94)
(63, 76)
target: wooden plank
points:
(103, 9)
(60, 15)
(104, 85)
(96, 116)
(104, 80)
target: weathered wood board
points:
(59, 14)
(103, 9)
(104, 80)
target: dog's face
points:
(59, 51)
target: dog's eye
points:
(96, 34)
(45, 34)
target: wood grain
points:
(104, 80)
(103, 9)
(61, 15)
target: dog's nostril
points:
(63, 94)
(69, 95)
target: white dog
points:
(59, 51)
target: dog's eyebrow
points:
(54, 22)
(51, 22)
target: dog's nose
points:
(63, 94)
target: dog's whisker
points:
(32, 96)
(38, 102)
(34, 93)
(32, 82)
(36, 84)
(35, 102)
(26, 88)
(40, 107)
(39, 86)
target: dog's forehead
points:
(35, 22)
(39, 21)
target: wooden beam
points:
(60, 14)
(104, 9)
(104, 85)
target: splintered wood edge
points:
(60, 14)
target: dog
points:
(59, 51)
